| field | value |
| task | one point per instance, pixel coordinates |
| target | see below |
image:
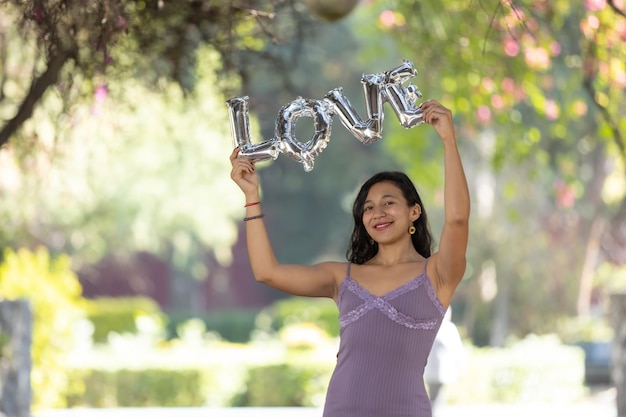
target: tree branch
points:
(613, 6)
(617, 135)
(37, 89)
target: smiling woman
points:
(392, 293)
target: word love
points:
(378, 89)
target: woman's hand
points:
(439, 117)
(244, 174)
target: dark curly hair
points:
(361, 248)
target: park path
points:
(587, 409)
(600, 404)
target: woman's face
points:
(386, 213)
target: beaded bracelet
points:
(258, 216)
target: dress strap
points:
(425, 265)
(348, 269)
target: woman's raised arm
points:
(450, 258)
(319, 280)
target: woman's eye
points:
(368, 208)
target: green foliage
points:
(4, 341)
(293, 310)
(233, 325)
(538, 111)
(584, 329)
(611, 278)
(177, 168)
(55, 295)
(532, 90)
(120, 315)
(137, 388)
(536, 369)
(281, 385)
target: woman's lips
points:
(382, 226)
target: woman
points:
(392, 293)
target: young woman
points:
(392, 293)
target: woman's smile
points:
(382, 226)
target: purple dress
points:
(384, 345)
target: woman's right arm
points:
(319, 280)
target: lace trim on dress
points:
(382, 304)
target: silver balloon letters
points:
(378, 89)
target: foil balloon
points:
(240, 128)
(370, 130)
(401, 73)
(402, 102)
(330, 10)
(378, 89)
(321, 112)
(402, 99)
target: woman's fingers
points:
(234, 154)
(241, 167)
(241, 162)
(433, 111)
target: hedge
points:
(137, 388)
(537, 369)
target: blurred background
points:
(121, 229)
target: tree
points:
(546, 81)
(71, 41)
(80, 69)
(121, 181)
(540, 88)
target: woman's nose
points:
(378, 211)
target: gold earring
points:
(412, 230)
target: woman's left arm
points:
(450, 258)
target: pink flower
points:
(121, 23)
(594, 22)
(511, 47)
(565, 195)
(37, 13)
(101, 93)
(508, 85)
(497, 101)
(388, 19)
(483, 114)
(595, 5)
(537, 58)
(552, 110)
